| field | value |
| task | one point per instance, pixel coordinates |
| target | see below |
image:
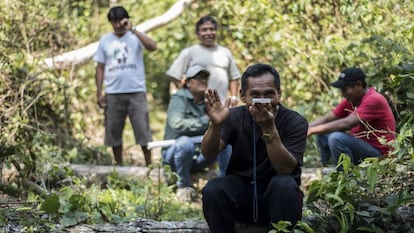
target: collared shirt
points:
(184, 117)
(376, 119)
(238, 131)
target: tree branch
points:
(83, 55)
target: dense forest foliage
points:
(49, 117)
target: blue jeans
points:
(331, 145)
(184, 157)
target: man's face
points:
(207, 34)
(261, 87)
(119, 26)
(198, 84)
(353, 94)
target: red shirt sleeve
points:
(343, 109)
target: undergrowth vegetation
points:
(49, 118)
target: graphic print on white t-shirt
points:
(119, 52)
(120, 57)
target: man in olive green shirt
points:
(186, 123)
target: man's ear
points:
(242, 95)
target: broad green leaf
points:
(51, 204)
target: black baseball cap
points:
(348, 77)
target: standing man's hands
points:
(126, 23)
(216, 111)
(233, 90)
(101, 101)
(99, 75)
(148, 42)
(233, 101)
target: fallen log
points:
(151, 226)
(98, 173)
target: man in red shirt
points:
(360, 126)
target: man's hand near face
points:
(217, 112)
(126, 23)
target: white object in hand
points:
(261, 100)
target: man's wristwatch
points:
(268, 137)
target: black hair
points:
(206, 18)
(117, 13)
(257, 70)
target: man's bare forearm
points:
(148, 43)
(282, 160)
(234, 87)
(99, 75)
(210, 146)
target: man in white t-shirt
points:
(219, 62)
(224, 74)
(120, 68)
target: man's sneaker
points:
(186, 194)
